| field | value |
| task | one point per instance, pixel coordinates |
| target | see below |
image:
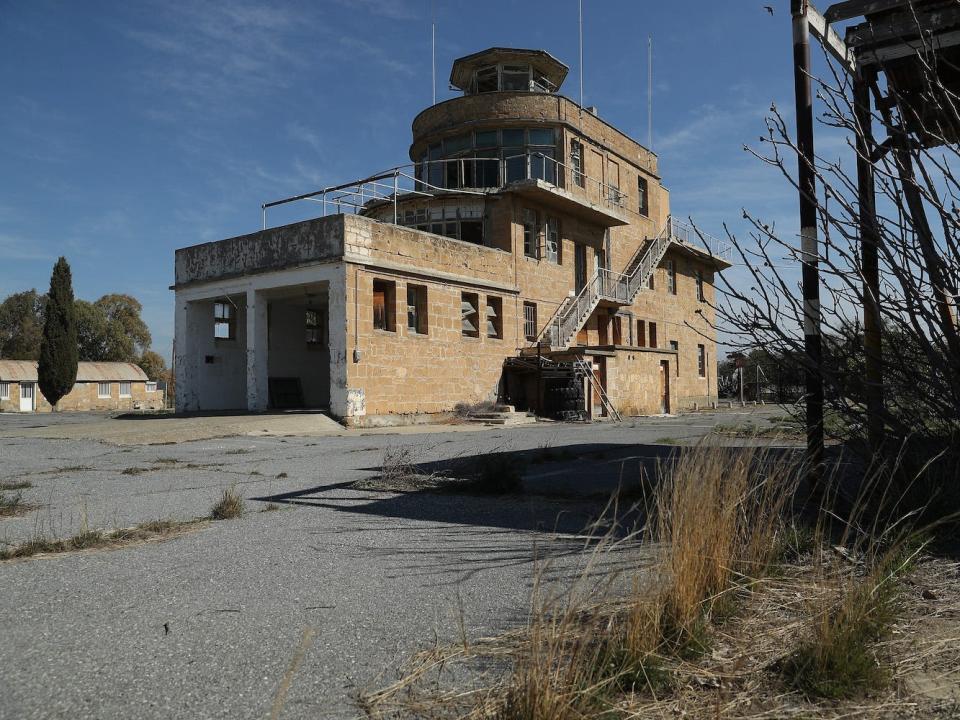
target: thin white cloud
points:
(378, 55)
(20, 248)
(391, 9)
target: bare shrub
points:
(229, 506)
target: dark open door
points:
(580, 266)
(664, 386)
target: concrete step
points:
(502, 418)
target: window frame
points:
(417, 310)
(641, 333)
(150, 386)
(313, 331)
(701, 360)
(643, 196)
(576, 162)
(671, 277)
(698, 275)
(473, 301)
(531, 235)
(100, 393)
(389, 292)
(652, 334)
(129, 387)
(4, 390)
(552, 240)
(529, 321)
(224, 314)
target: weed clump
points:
(229, 506)
(498, 474)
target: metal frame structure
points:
(893, 30)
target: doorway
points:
(579, 267)
(665, 387)
(28, 395)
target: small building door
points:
(28, 392)
(665, 386)
(579, 266)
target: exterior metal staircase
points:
(619, 288)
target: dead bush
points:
(229, 506)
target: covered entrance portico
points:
(273, 340)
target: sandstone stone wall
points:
(84, 397)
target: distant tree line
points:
(109, 329)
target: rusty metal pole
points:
(869, 266)
(808, 243)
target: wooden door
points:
(665, 386)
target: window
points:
(417, 309)
(671, 277)
(617, 325)
(469, 315)
(641, 333)
(4, 391)
(530, 321)
(150, 386)
(702, 360)
(103, 390)
(487, 80)
(494, 317)
(576, 162)
(530, 233)
(553, 240)
(313, 328)
(125, 390)
(516, 78)
(224, 321)
(643, 193)
(700, 295)
(650, 281)
(653, 335)
(384, 305)
(675, 346)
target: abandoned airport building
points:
(527, 255)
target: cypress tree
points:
(57, 370)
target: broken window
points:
(384, 305)
(471, 231)
(487, 79)
(700, 295)
(671, 277)
(653, 335)
(494, 317)
(530, 321)
(224, 321)
(417, 309)
(553, 240)
(643, 195)
(469, 315)
(702, 360)
(515, 78)
(313, 328)
(576, 161)
(530, 234)
(641, 333)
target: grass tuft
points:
(15, 485)
(229, 506)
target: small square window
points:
(530, 321)
(417, 309)
(103, 390)
(494, 317)
(384, 305)
(675, 346)
(125, 390)
(224, 321)
(150, 386)
(469, 315)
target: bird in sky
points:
(768, 8)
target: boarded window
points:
(530, 321)
(617, 323)
(417, 309)
(643, 192)
(702, 360)
(103, 390)
(313, 328)
(553, 240)
(469, 315)
(641, 333)
(494, 317)
(224, 321)
(530, 233)
(384, 305)
(653, 335)
(671, 277)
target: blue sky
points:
(131, 129)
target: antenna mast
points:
(433, 50)
(580, 9)
(649, 92)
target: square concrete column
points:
(257, 352)
(188, 326)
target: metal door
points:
(27, 395)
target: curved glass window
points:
(489, 159)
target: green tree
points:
(21, 323)
(57, 369)
(153, 365)
(127, 335)
(92, 332)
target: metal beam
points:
(892, 52)
(902, 26)
(820, 28)
(856, 8)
